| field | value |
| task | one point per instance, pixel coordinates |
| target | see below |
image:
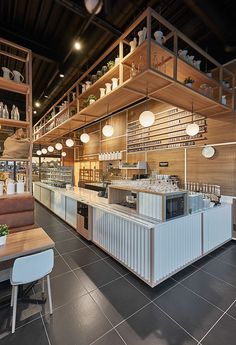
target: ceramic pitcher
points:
(197, 64)
(18, 78)
(183, 54)
(142, 35)
(159, 37)
(114, 83)
(102, 91)
(108, 87)
(7, 74)
(133, 44)
(83, 88)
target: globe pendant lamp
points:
(50, 148)
(44, 151)
(63, 154)
(39, 152)
(146, 118)
(192, 129)
(107, 130)
(58, 146)
(69, 142)
(84, 138)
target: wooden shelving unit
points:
(13, 54)
(159, 71)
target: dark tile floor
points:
(97, 301)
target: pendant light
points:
(50, 148)
(44, 151)
(69, 142)
(192, 129)
(63, 153)
(39, 152)
(93, 6)
(146, 118)
(84, 138)
(58, 146)
(107, 130)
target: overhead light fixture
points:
(45, 96)
(61, 75)
(39, 152)
(77, 45)
(50, 148)
(108, 130)
(44, 151)
(147, 118)
(37, 104)
(192, 129)
(93, 6)
(69, 142)
(85, 138)
(58, 146)
(63, 153)
(35, 111)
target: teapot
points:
(18, 78)
(133, 44)
(159, 37)
(7, 74)
(183, 54)
(108, 87)
(102, 91)
(142, 35)
(114, 83)
(197, 63)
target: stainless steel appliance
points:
(175, 205)
(84, 220)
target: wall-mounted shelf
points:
(12, 86)
(14, 123)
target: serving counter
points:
(151, 249)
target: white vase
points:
(3, 240)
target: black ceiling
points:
(49, 28)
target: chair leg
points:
(14, 308)
(49, 294)
(12, 294)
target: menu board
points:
(168, 131)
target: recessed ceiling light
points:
(35, 111)
(37, 104)
(61, 75)
(45, 96)
(77, 45)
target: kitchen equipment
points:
(197, 63)
(18, 77)
(183, 54)
(159, 37)
(10, 187)
(108, 88)
(142, 35)
(20, 187)
(175, 205)
(84, 220)
(190, 59)
(114, 83)
(7, 74)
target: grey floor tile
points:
(193, 313)
(117, 266)
(223, 333)
(214, 290)
(111, 338)
(229, 257)
(232, 310)
(98, 251)
(202, 262)
(150, 326)
(183, 274)
(222, 271)
(77, 323)
(61, 236)
(60, 267)
(81, 257)
(96, 274)
(70, 245)
(119, 299)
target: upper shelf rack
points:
(158, 69)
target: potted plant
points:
(110, 64)
(4, 231)
(188, 82)
(91, 99)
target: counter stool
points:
(28, 269)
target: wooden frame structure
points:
(161, 80)
(15, 53)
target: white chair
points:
(27, 270)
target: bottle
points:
(13, 112)
(5, 112)
(17, 114)
(1, 109)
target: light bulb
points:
(84, 138)
(92, 4)
(37, 104)
(50, 148)
(44, 151)
(108, 130)
(61, 75)
(77, 45)
(192, 129)
(39, 152)
(146, 118)
(69, 142)
(63, 153)
(58, 146)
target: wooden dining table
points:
(24, 243)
